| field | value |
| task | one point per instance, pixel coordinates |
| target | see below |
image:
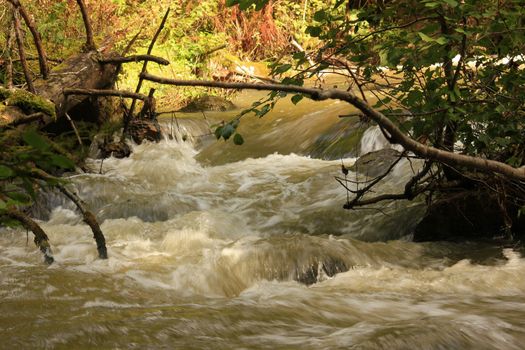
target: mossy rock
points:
(30, 103)
(208, 103)
(4, 94)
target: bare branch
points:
(144, 67)
(90, 43)
(398, 136)
(26, 120)
(135, 58)
(89, 218)
(94, 92)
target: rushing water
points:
(235, 254)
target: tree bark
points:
(82, 71)
(95, 92)
(398, 136)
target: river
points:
(218, 246)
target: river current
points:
(209, 249)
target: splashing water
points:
(243, 255)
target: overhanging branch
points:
(398, 136)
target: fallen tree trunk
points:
(79, 72)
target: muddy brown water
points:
(206, 245)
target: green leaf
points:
(5, 172)
(338, 3)
(245, 4)
(33, 139)
(452, 3)
(264, 110)
(218, 132)
(227, 131)
(3, 205)
(62, 162)
(238, 140)
(282, 68)
(441, 40)
(320, 16)
(297, 98)
(425, 37)
(313, 31)
(299, 55)
(19, 197)
(230, 3)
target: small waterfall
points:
(374, 140)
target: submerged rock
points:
(329, 266)
(142, 129)
(208, 103)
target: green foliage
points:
(21, 155)
(450, 72)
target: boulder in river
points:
(376, 163)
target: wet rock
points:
(105, 146)
(376, 163)
(208, 103)
(142, 129)
(470, 215)
(116, 149)
(329, 266)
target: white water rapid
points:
(244, 255)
